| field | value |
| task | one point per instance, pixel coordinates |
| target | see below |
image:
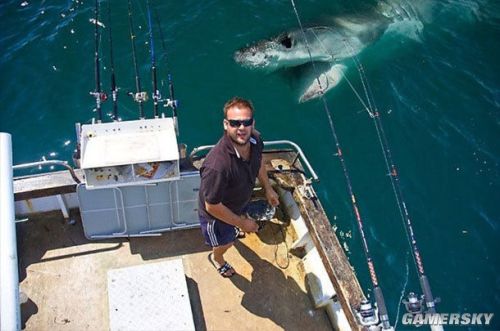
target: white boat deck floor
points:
(65, 277)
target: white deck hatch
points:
(149, 297)
(129, 152)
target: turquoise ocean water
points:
(435, 80)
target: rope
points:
(276, 244)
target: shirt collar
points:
(229, 147)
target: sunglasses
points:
(238, 123)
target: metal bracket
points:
(307, 191)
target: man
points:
(227, 180)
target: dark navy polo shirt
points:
(227, 178)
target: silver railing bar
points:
(10, 310)
(48, 162)
(271, 143)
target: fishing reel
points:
(114, 94)
(101, 96)
(368, 315)
(414, 304)
(170, 103)
(139, 96)
(156, 96)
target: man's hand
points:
(248, 224)
(272, 197)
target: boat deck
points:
(65, 277)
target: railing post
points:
(10, 312)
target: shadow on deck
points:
(65, 277)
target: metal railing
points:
(296, 147)
(46, 163)
(10, 310)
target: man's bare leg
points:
(219, 256)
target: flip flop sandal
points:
(224, 269)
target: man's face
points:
(239, 124)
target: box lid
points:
(130, 142)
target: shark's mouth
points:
(261, 55)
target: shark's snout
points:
(253, 56)
(244, 54)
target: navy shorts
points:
(217, 233)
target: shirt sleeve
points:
(214, 183)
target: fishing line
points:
(97, 94)
(162, 38)
(395, 183)
(114, 89)
(168, 102)
(127, 110)
(171, 102)
(156, 92)
(371, 267)
(357, 95)
(390, 165)
(345, 76)
(139, 96)
(364, 81)
(403, 291)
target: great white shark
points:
(336, 43)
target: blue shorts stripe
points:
(217, 233)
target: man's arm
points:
(271, 195)
(224, 214)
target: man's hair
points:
(237, 102)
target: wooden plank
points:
(37, 186)
(337, 266)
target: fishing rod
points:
(430, 302)
(413, 304)
(171, 102)
(156, 92)
(114, 89)
(97, 94)
(139, 96)
(366, 313)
